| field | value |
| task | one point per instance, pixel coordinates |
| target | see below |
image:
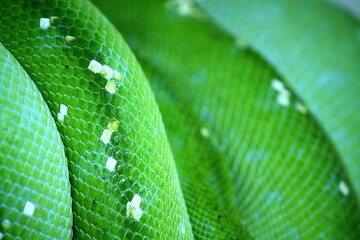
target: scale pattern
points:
(248, 166)
(59, 67)
(270, 166)
(316, 47)
(33, 167)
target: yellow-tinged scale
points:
(70, 40)
(107, 72)
(5, 224)
(54, 20)
(284, 98)
(60, 117)
(113, 125)
(117, 75)
(111, 86)
(133, 209)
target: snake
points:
(155, 128)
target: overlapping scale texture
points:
(273, 169)
(316, 47)
(250, 163)
(35, 201)
(144, 165)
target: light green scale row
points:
(35, 201)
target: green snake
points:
(194, 138)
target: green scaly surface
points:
(273, 169)
(144, 161)
(316, 47)
(33, 166)
(263, 169)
